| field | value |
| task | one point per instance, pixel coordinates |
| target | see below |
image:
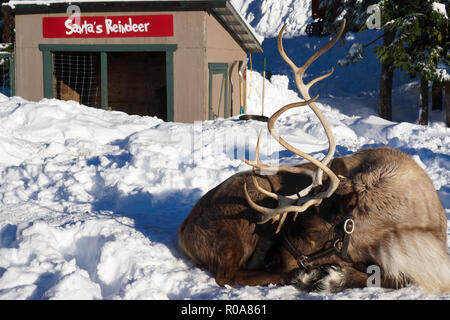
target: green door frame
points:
(218, 68)
(169, 49)
(12, 72)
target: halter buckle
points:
(304, 262)
(349, 226)
(338, 244)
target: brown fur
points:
(395, 209)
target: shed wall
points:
(222, 48)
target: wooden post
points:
(245, 91)
(386, 80)
(447, 103)
(263, 86)
(423, 115)
(250, 77)
(104, 79)
(243, 84)
(8, 25)
(436, 96)
(47, 58)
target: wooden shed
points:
(177, 60)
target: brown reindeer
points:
(376, 207)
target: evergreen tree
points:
(415, 39)
(358, 13)
(419, 44)
(445, 63)
(420, 36)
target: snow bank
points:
(91, 200)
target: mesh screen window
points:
(76, 76)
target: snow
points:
(443, 72)
(91, 200)
(440, 8)
(268, 16)
(354, 54)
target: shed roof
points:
(223, 10)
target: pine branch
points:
(373, 41)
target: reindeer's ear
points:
(345, 186)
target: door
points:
(218, 90)
(137, 83)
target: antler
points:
(298, 202)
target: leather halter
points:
(339, 247)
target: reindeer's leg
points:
(243, 277)
(257, 260)
(322, 279)
(231, 270)
(333, 278)
(329, 278)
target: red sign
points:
(108, 27)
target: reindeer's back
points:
(401, 223)
(394, 193)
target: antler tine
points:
(283, 218)
(283, 200)
(257, 163)
(301, 70)
(304, 89)
(289, 199)
(315, 80)
(269, 213)
(284, 143)
(313, 160)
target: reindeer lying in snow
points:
(376, 207)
